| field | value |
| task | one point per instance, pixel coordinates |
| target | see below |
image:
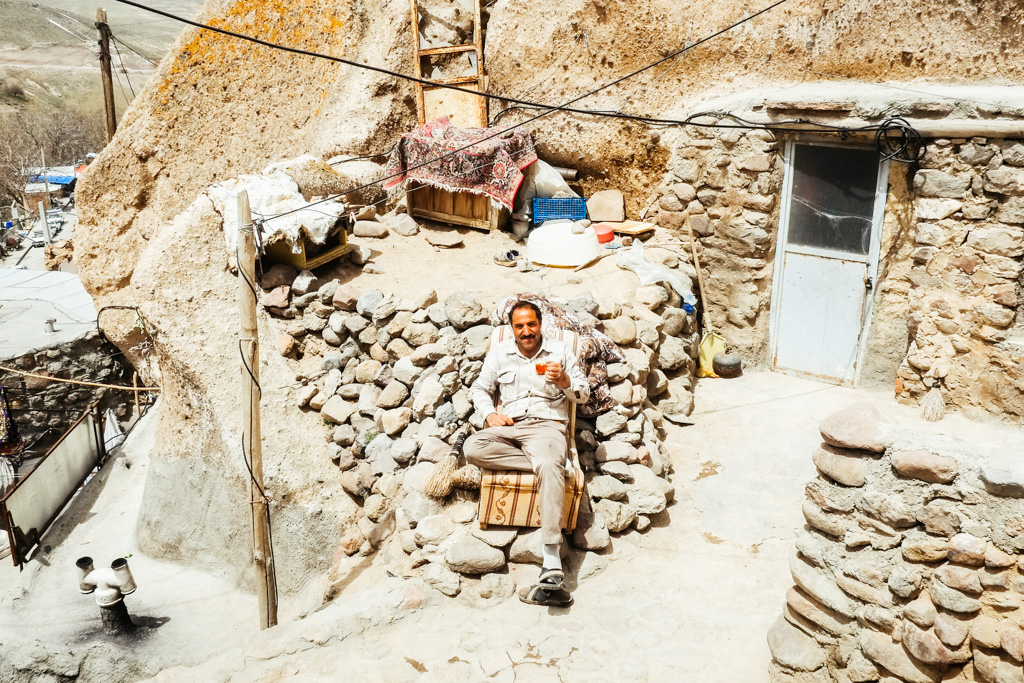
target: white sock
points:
(550, 556)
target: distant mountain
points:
(71, 23)
(26, 24)
(129, 21)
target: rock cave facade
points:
(946, 303)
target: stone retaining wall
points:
(729, 183)
(392, 383)
(911, 567)
(46, 409)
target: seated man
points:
(533, 376)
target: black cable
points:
(126, 76)
(129, 47)
(368, 156)
(549, 109)
(121, 87)
(525, 104)
(422, 81)
(897, 140)
(794, 125)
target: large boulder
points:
(861, 426)
(470, 555)
(464, 310)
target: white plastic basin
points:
(554, 244)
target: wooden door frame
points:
(877, 226)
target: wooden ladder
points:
(463, 109)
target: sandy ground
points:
(690, 599)
(410, 264)
(185, 615)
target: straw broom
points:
(442, 480)
(933, 407)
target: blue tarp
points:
(54, 178)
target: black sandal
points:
(538, 595)
(551, 579)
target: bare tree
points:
(66, 135)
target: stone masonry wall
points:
(391, 378)
(729, 182)
(947, 306)
(966, 321)
(44, 408)
(911, 566)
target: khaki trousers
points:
(537, 446)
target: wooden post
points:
(45, 226)
(46, 180)
(135, 383)
(251, 439)
(108, 80)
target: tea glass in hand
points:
(542, 368)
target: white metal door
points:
(826, 259)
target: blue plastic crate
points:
(574, 208)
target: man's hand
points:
(499, 420)
(557, 375)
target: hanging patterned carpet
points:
(492, 167)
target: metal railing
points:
(32, 504)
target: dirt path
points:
(409, 265)
(689, 600)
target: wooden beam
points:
(417, 67)
(456, 81)
(252, 442)
(929, 128)
(448, 49)
(108, 81)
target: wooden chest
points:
(510, 498)
(310, 255)
(459, 208)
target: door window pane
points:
(833, 198)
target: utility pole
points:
(47, 238)
(46, 181)
(108, 80)
(251, 440)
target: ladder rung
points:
(455, 81)
(448, 49)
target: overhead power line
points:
(126, 76)
(548, 109)
(132, 49)
(421, 81)
(524, 104)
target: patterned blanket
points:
(492, 167)
(597, 349)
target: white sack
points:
(270, 195)
(632, 258)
